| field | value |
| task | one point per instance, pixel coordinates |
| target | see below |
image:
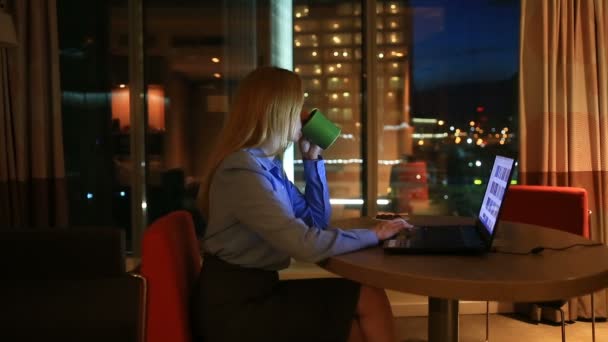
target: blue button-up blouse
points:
(258, 218)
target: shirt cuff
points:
(369, 237)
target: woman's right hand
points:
(387, 229)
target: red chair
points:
(563, 208)
(171, 264)
(557, 207)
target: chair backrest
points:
(170, 263)
(558, 207)
(62, 253)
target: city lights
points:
(424, 120)
(327, 76)
(348, 161)
(348, 201)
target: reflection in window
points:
(333, 86)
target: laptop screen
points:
(495, 192)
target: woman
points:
(258, 220)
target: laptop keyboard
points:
(436, 236)
(451, 235)
(432, 237)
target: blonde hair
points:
(267, 106)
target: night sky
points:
(465, 56)
(464, 41)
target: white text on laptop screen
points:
(495, 192)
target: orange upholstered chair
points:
(171, 264)
(557, 207)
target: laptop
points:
(461, 239)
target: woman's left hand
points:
(309, 150)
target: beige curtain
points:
(564, 107)
(32, 179)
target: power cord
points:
(539, 249)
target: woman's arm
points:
(258, 206)
(313, 207)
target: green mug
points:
(320, 130)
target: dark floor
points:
(503, 328)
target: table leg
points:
(443, 320)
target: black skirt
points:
(234, 303)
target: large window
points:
(459, 104)
(444, 100)
(445, 97)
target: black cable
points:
(539, 249)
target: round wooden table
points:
(445, 279)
